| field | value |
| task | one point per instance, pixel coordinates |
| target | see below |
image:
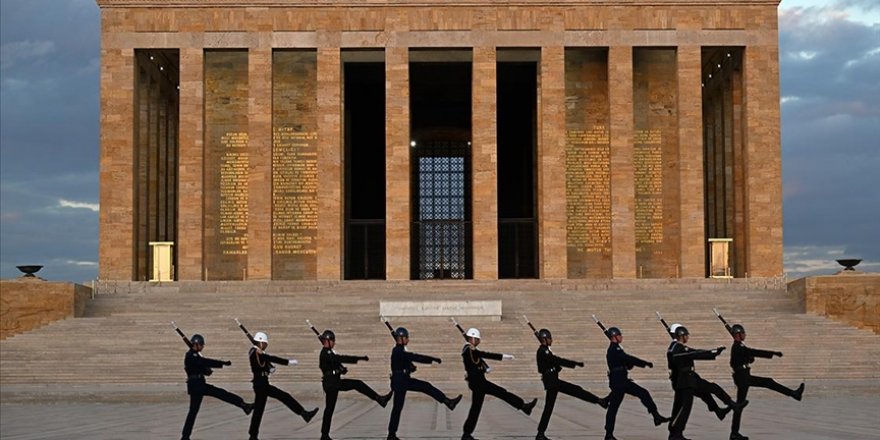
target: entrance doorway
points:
(440, 105)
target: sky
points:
(829, 55)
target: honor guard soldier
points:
(261, 367)
(332, 370)
(197, 367)
(476, 368)
(686, 382)
(402, 366)
(619, 364)
(549, 365)
(741, 359)
(706, 397)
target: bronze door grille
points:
(442, 244)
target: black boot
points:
(527, 408)
(307, 416)
(610, 437)
(326, 437)
(467, 437)
(603, 402)
(737, 436)
(247, 408)
(541, 436)
(722, 412)
(383, 400)
(392, 437)
(450, 403)
(658, 419)
(799, 393)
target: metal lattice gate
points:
(442, 241)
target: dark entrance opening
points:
(440, 109)
(364, 170)
(517, 140)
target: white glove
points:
(292, 362)
(507, 357)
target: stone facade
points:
(646, 64)
(850, 297)
(29, 303)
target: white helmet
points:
(261, 337)
(673, 327)
(473, 333)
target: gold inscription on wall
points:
(588, 190)
(648, 164)
(294, 191)
(234, 193)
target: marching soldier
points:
(332, 367)
(476, 368)
(197, 367)
(401, 368)
(686, 382)
(741, 358)
(619, 364)
(261, 367)
(549, 365)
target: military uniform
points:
(402, 366)
(687, 383)
(619, 364)
(332, 369)
(707, 398)
(475, 367)
(197, 367)
(741, 358)
(261, 367)
(549, 365)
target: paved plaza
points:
(822, 415)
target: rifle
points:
(665, 325)
(388, 324)
(314, 330)
(602, 326)
(529, 323)
(724, 321)
(246, 332)
(183, 336)
(458, 326)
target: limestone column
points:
(692, 258)
(485, 165)
(330, 176)
(259, 252)
(190, 202)
(620, 93)
(763, 169)
(116, 254)
(551, 165)
(397, 174)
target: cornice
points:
(415, 3)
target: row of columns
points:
(116, 150)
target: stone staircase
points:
(126, 339)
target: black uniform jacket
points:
(402, 363)
(681, 358)
(619, 363)
(261, 365)
(474, 362)
(741, 358)
(197, 367)
(331, 366)
(549, 366)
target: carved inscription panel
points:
(648, 168)
(234, 193)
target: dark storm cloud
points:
(49, 66)
(829, 67)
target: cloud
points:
(82, 263)
(24, 51)
(77, 205)
(801, 261)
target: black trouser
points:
(332, 392)
(561, 386)
(743, 382)
(618, 392)
(681, 411)
(400, 387)
(261, 394)
(196, 392)
(479, 389)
